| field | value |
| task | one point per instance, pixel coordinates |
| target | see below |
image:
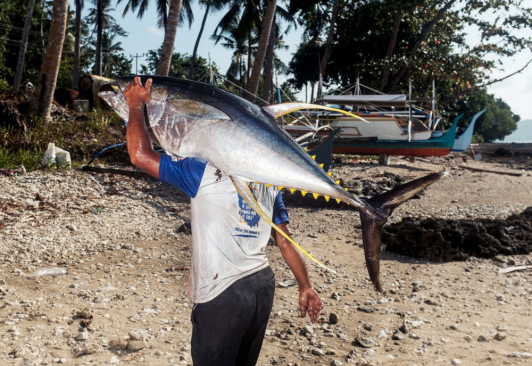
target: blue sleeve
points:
(184, 174)
(280, 215)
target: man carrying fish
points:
(230, 280)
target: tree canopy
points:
(385, 41)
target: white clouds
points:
(156, 31)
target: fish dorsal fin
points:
(245, 193)
(278, 110)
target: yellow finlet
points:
(280, 188)
(338, 200)
(268, 185)
(304, 193)
(321, 165)
(313, 157)
(315, 195)
(292, 190)
(327, 198)
(346, 189)
(329, 174)
(305, 149)
(337, 181)
(246, 194)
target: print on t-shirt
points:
(248, 216)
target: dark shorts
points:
(229, 329)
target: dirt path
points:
(127, 264)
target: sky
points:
(145, 35)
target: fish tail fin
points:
(244, 191)
(374, 220)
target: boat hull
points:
(392, 151)
(381, 127)
(439, 146)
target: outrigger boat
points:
(391, 117)
(436, 146)
(395, 126)
(383, 125)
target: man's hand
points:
(139, 144)
(309, 301)
(137, 95)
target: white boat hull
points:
(381, 128)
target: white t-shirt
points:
(229, 238)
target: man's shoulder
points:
(185, 174)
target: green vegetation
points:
(23, 140)
(497, 122)
(385, 41)
(381, 41)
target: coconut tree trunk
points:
(253, 82)
(99, 37)
(23, 46)
(327, 53)
(77, 42)
(42, 98)
(165, 59)
(240, 61)
(193, 59)
(391, 45)
(248, 70)
(268, 70)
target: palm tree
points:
(276, 42)
(110, 53)
(99, 34)
(103, 20)
(242, 20)
(23, 45)
(231, 38)
(186, 15)
(77, 42)
(267, 21)
(273, 62)
(327, 53)
(215, 5)
(42, 99)
(163, 66)
(169, 20)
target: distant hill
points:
(522, 134)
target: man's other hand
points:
(310, 302)
(137, 95)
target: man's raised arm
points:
(139, 143)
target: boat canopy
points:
(389, 100)
(384, 100)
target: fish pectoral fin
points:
(278, 110)
(244, 191)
